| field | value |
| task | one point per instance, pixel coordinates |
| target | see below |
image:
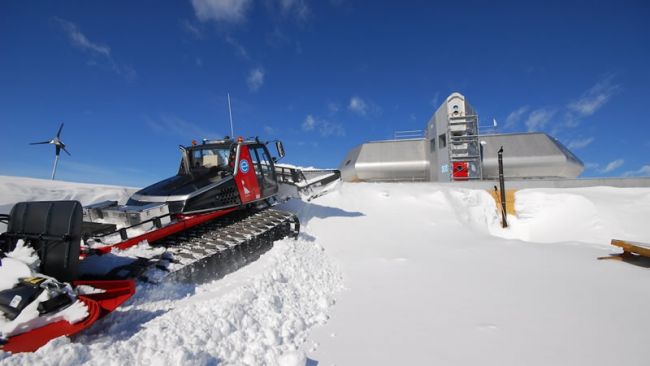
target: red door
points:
(461, 170)
(245, 178)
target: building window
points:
(442, 141)
(433, 145)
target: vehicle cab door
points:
(264, 169)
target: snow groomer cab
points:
(215, 175)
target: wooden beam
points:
(642, 249)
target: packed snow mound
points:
(427, 282)
(590, 215)
(18, 189)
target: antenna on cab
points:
(232, 130)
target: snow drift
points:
(396, 274)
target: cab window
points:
(209, 158)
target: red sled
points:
(115, 294)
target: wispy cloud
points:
(270, 131)
(580, 143)
(324, 127)
(223, 11)
(612, 166)
(296, 8)
(358, 106)
(363, 107)
(642, 171)
(435, 101)
(594, 98)
(241, 50)
(192, 29)
(588, 103)
(255, 79)
(79, 40)
(309, 123)
(538, 118)
(515, 117)
(174, 126)
(333, 107)
(569, 115)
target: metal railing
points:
(411, 134)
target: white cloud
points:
(333, 107)
(227, 11)
(324, 127)
(612, 166)
(174, 126)
(79, 40)
(255, 79)
(191, 28)
(327, 128)
(435, 101)
(591, 166)
(358, 105)
(270, 131)
(594, 98)
(642, 171)
(297, 8)
(309, 123)
(538, 118)
(237, 46)
(515, 116)
(580, 143)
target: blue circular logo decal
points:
(243, 166)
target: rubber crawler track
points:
(216, 248)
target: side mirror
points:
(280, 148)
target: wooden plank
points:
(510, 200)
(633, 247)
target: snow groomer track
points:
(213, 249)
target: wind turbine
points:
(56, 141)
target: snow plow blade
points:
(99, 305)
(307, 183)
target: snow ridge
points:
(254, 316)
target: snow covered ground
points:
(395, 274)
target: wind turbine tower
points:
(58, 144)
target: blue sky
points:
(132, 80)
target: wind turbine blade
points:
(39, 143)
(66, 151)
(58, 134)
(58, 150)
